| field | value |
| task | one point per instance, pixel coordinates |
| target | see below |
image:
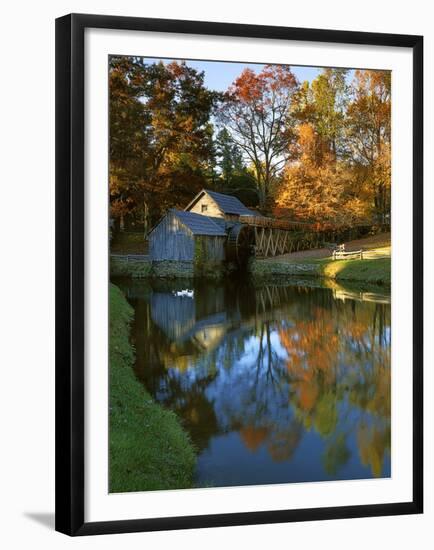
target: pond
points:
(275, 383)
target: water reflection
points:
(274, 383)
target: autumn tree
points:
(369, 136)
(256, 113)
(161, 137)
(314, 187)
(128, 137)
(323, 104)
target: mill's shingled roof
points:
(230, 204)
(201, 225)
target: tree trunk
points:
(145, 219)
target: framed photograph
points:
(238, 274)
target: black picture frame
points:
(70, 263)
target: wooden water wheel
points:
(240, 243)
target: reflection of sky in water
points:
(296, 389)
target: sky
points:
(219, 75)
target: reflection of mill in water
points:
(204, 318)
(177, 317)
(270, 297)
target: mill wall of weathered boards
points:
(171, 240)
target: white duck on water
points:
(184, 293)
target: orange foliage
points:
(317, 187)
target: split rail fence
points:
(342, 254)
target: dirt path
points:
(377, 245)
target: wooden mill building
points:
(215, 227)
(179, 235)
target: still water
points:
(275, 383)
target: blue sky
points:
(219, 75)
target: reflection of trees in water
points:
(339, 360)
(373, 442)
(281, 444)
(267, 356)
(271, 363)
(252, 396)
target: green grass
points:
(369, 271)
(149, 449)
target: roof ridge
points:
(190, 213)
(222, 194)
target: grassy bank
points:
(368, 271)
(149, 449)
